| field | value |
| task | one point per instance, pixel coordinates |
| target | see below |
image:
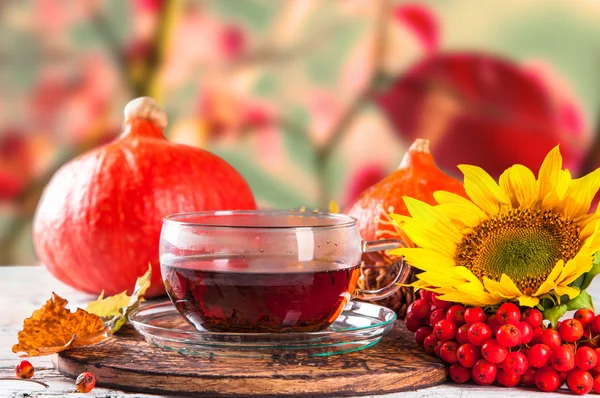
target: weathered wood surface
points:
(129, 362)
(23, 289)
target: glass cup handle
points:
(386, 291)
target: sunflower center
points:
(524, 244)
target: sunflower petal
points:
(483, 190)
(548, 176)
(424, 259)
(580, 194)
(572, 292)
(527, 301)
(506, 287)
(520, 186)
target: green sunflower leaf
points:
(584, 300)
(553, 314)
(591, 274)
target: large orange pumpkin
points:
(98, 223)
(417, 176)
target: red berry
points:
(445, 330)
(413, 323)
(484, 372)
(507, 379)
(570, 330)
(85, 382)
(532, 317)
(516, 362)
(547, 379)
(479, 333)
(438, 348)
(456, 314)
(597, 367)
(468, 354)
(563, 377)
(585, 316)
(426, 295)
(429, 344)
(539, 355)
(526, 332)
(508, 335)
(448, 351)
(493, 352)
(441, 303)
(459, 374)
(493, 323)
(527, 378)
(562, 359)
(580, 381)
(585, 358)
(419, 309)
(597, 384)
(508, 313)
(24, 370)
(462, 334)
(551, 338)
(421, 333)
(474, 315)
(436, 316)
(537, 335)
(595, 324)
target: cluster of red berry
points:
(508, 347)
(85, 381)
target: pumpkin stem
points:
(420, 145)
(139, 112)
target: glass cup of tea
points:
(265, 271)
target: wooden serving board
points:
(129, 363)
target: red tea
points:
(259, 294)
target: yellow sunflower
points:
(519, 239)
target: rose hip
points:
(551, 338)
(597, 384)
(526, 332)
(595, 324)
(508, 335)
(85, 382)
(580, 381)
(436, 316)
(448, 351)
(24, 370)
(493, 323)
(507, 379)
(426, 295)
(413, 323)
(474, 315)
(462, 334)
(456, 314)
(479, 333)
(484, 372)
(516, 362)
(419, 309)
(546, 379)
(445, 330)
(539, 355)
(527, 378)
(570, 330)
(585, 358)
(422, 333)
(585, 316)
(493, 352)
(468, 354)
(562, 359)
(533, 317)
(440, 303)
(429, 344)
(459, 374)
(537, 335)
(508, 313)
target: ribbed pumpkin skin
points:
(417, 177)
(98, 223)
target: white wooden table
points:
(24, 289)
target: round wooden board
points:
(129, 363)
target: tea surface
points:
(259, 294)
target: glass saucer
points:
(359, 326)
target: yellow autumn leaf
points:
(53, 328)
(115, 310)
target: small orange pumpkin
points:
(417, 176)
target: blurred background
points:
(310, 100)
